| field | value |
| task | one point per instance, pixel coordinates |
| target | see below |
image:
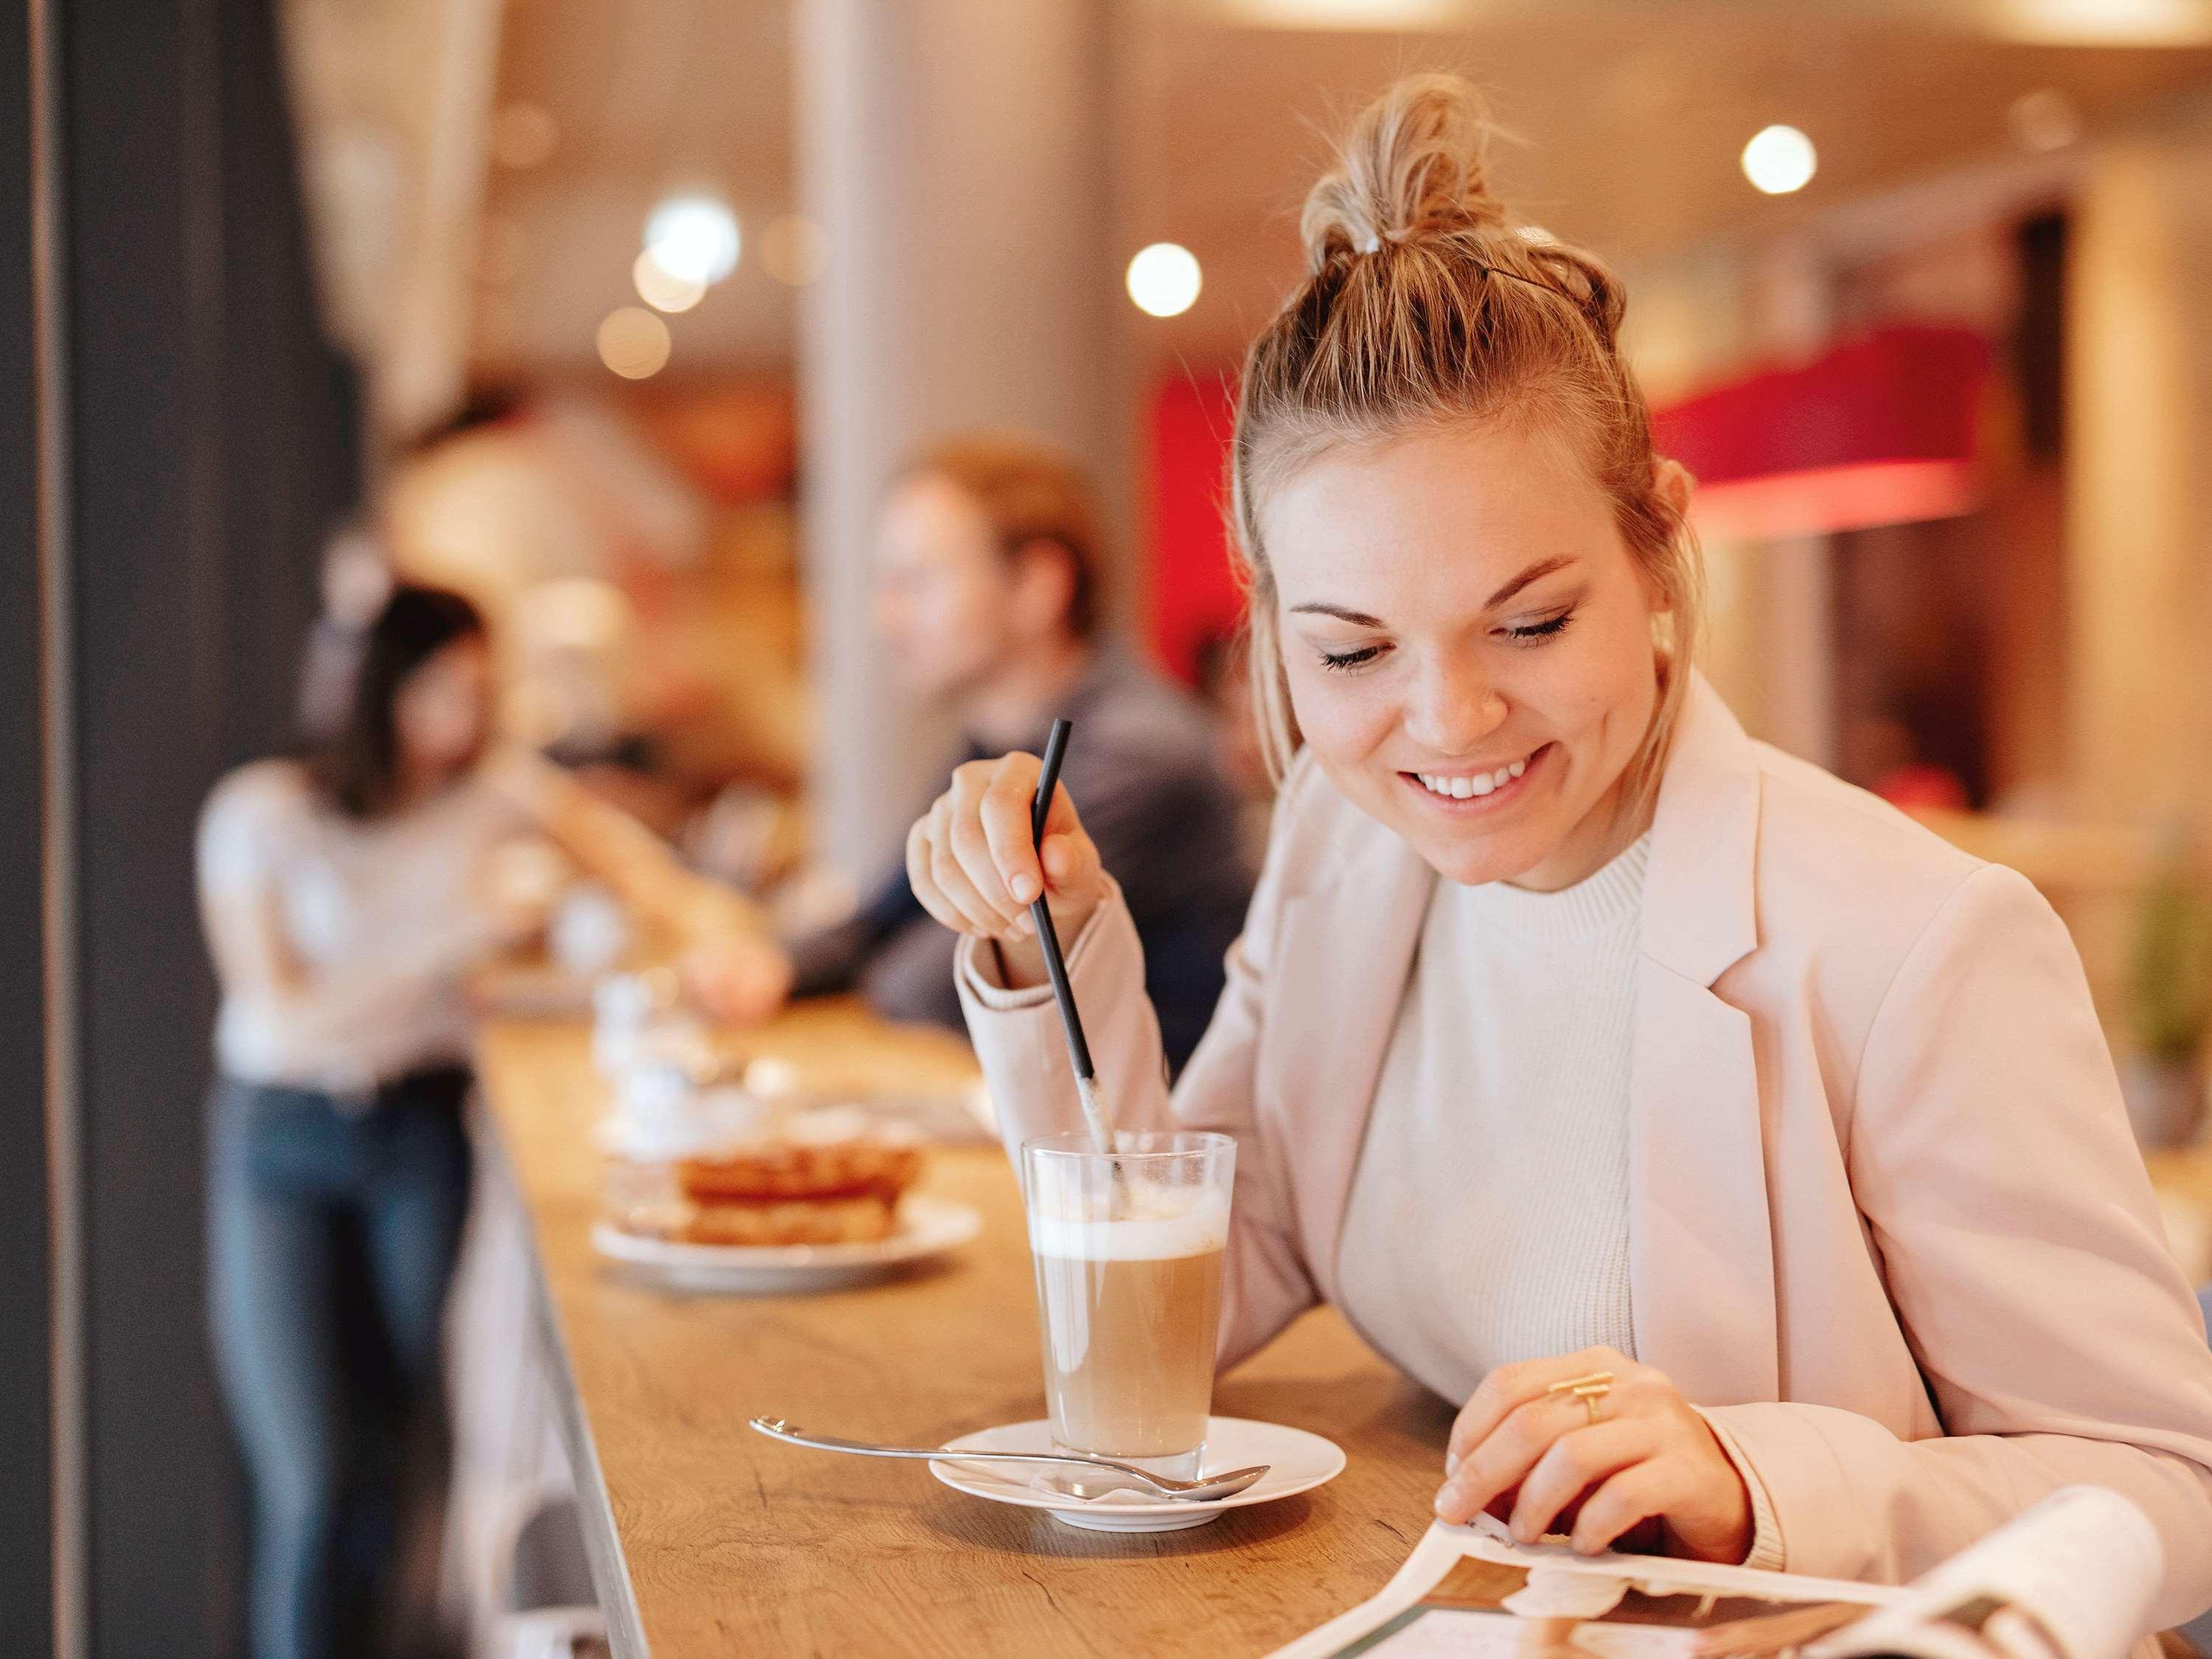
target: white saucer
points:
(1297, 1462)
(927, 1226)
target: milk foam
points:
(1200, 1226)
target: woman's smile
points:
(1480, 790)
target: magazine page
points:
(1471, 1591)
(2074, 1576)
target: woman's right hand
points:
(973, 867)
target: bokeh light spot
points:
(661, 291)
(1779, 160)
(1164, 279)
(693, 239)
(634, 342)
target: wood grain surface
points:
(713, 1541)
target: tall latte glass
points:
(1128, 1248)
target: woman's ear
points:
(1672, 483)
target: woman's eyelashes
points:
(1533, 633)
(1340, 662)
(1520, 633)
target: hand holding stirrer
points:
(1095, 1115)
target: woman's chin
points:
(1474, 859)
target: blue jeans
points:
(332, 1236)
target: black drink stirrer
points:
(1079, 1051)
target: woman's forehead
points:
(1441, 517)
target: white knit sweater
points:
(1499, 1135)
(1488, 1221)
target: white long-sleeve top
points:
(385, 916)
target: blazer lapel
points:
(1701, 1240)
(1343, 954)
(1701, 1263)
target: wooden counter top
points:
(707, 1538)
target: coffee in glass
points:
(1128, 1248)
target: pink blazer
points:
(1887, 1221)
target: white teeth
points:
(1463, 788)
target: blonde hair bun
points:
(1414, 165)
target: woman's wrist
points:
(1021, 963)
(1021, 958)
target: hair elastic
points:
(1373, 242)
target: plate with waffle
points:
(820, 1200)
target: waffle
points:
(787, 1170)
(856, 1220)
(820, 1177)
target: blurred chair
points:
(552, 1610)
(512, 1545)
(553, 1633)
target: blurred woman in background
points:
(344, 896)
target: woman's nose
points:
(1454, 709)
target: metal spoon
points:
(1225, 1485)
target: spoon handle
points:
(776, 1429)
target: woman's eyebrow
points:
(1357, 618)
(1534, 572)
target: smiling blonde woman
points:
(1572, 1032)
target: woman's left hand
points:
(1533, 1457)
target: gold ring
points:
(1591, 1391)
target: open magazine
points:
(2072, 1578)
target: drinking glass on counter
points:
(643, 1016)
(1128, 1246)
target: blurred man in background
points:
(988, 600)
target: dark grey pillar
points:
(211, 437)
(27, 1521)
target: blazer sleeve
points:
(1018, 1038)
(1991, 1158)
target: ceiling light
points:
(1347, 13)
(1164, 279)
(661, 291)
(693, 238)
(2101, 23)
(1779, 160)
(634, 342)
